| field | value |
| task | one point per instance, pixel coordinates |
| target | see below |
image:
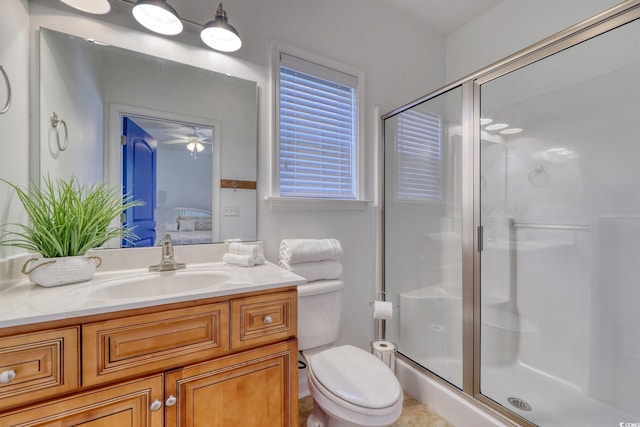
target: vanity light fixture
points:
(219, 35)
(97, 7)
(157, 16)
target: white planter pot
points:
(51, 272)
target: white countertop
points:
(27, 303)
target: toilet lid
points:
(356, 376)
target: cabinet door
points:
(257, 388)
(125, 405)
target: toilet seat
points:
(352, 375)
(344, 398)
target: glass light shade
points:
(511, 131)
(497, 126)
(485, 121)
(195, 146)
(219, 35)
(97, 7)
(157, 16)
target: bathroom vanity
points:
(97, 354)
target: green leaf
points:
(68, 219)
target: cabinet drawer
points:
(137, 345)
(263, 319)
(38, 366)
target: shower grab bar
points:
(564, 227)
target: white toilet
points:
(350, 387)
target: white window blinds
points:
(318, 130)
(419, 156)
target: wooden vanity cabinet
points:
(217, 362)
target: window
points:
(317, 130)
(419, 156)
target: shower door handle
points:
(480, 237)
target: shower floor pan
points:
(553, 403)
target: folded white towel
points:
(315, 270)
(260, 259)
(244, 249)
(294, 251)
(243, 260)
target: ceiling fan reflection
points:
(194, 142)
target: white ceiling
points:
(173, 135)
(442, 16)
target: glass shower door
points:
(560, 210)
(422, 241)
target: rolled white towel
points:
(243, 260)
(260, 259)
(244, 249)
(315, 270)
(294, 251)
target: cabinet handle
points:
(7, 376)
(156, 404)
(268, 319)
(171, 400)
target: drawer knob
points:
(268, 320)
(156, 404)
(171, 400)
(7, 376)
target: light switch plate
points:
(231, 210)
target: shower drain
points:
(519, 403)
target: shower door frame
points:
(610, 19)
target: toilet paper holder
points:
(373, 302)
(380, 324)
(383, 295)
(386, 352)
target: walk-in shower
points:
(512, 229)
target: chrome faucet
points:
(167, 262)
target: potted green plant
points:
(66, 219)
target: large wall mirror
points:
(200, 129)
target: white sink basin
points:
(161, 283)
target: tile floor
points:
(414, 414)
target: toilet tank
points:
(319, 305)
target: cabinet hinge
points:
(123, 140)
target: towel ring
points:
(55, 122)
(7, 105)
(538, 176)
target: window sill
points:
(277, 203)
